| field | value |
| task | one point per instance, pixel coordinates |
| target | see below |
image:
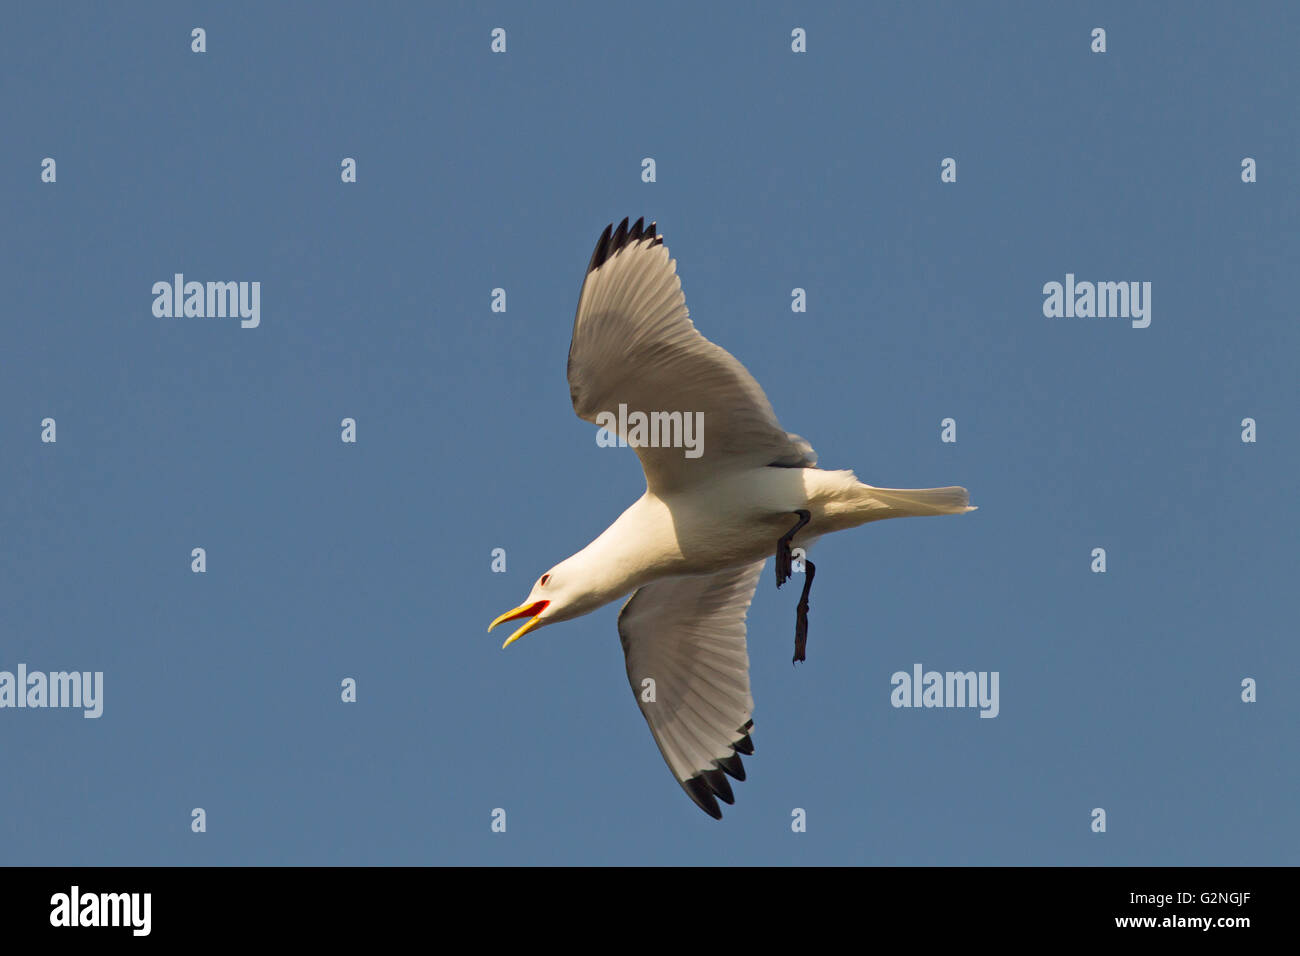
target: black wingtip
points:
(699, 791)
(733, 766)
(601, 252)
(613, 239)
(620, 236)
(744, 745)
(717, 781)
(707, 787)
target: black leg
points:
(783, 562)
(801, 613)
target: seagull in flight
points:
(691, 549)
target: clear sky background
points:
(775, 170)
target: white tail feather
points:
(915, 502)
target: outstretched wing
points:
(687, 636)
(634, 346)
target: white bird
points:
(691, 548)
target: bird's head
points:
(544, 605)
(576, 586)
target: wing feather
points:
(688, 635)
(634, 345)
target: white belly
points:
(738, 519)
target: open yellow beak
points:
(532, 611)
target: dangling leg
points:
(801, 613)
(783, 562)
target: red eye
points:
(545, 578)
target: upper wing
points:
(687, 635)
(634, 345)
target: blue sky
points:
(775, 170)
